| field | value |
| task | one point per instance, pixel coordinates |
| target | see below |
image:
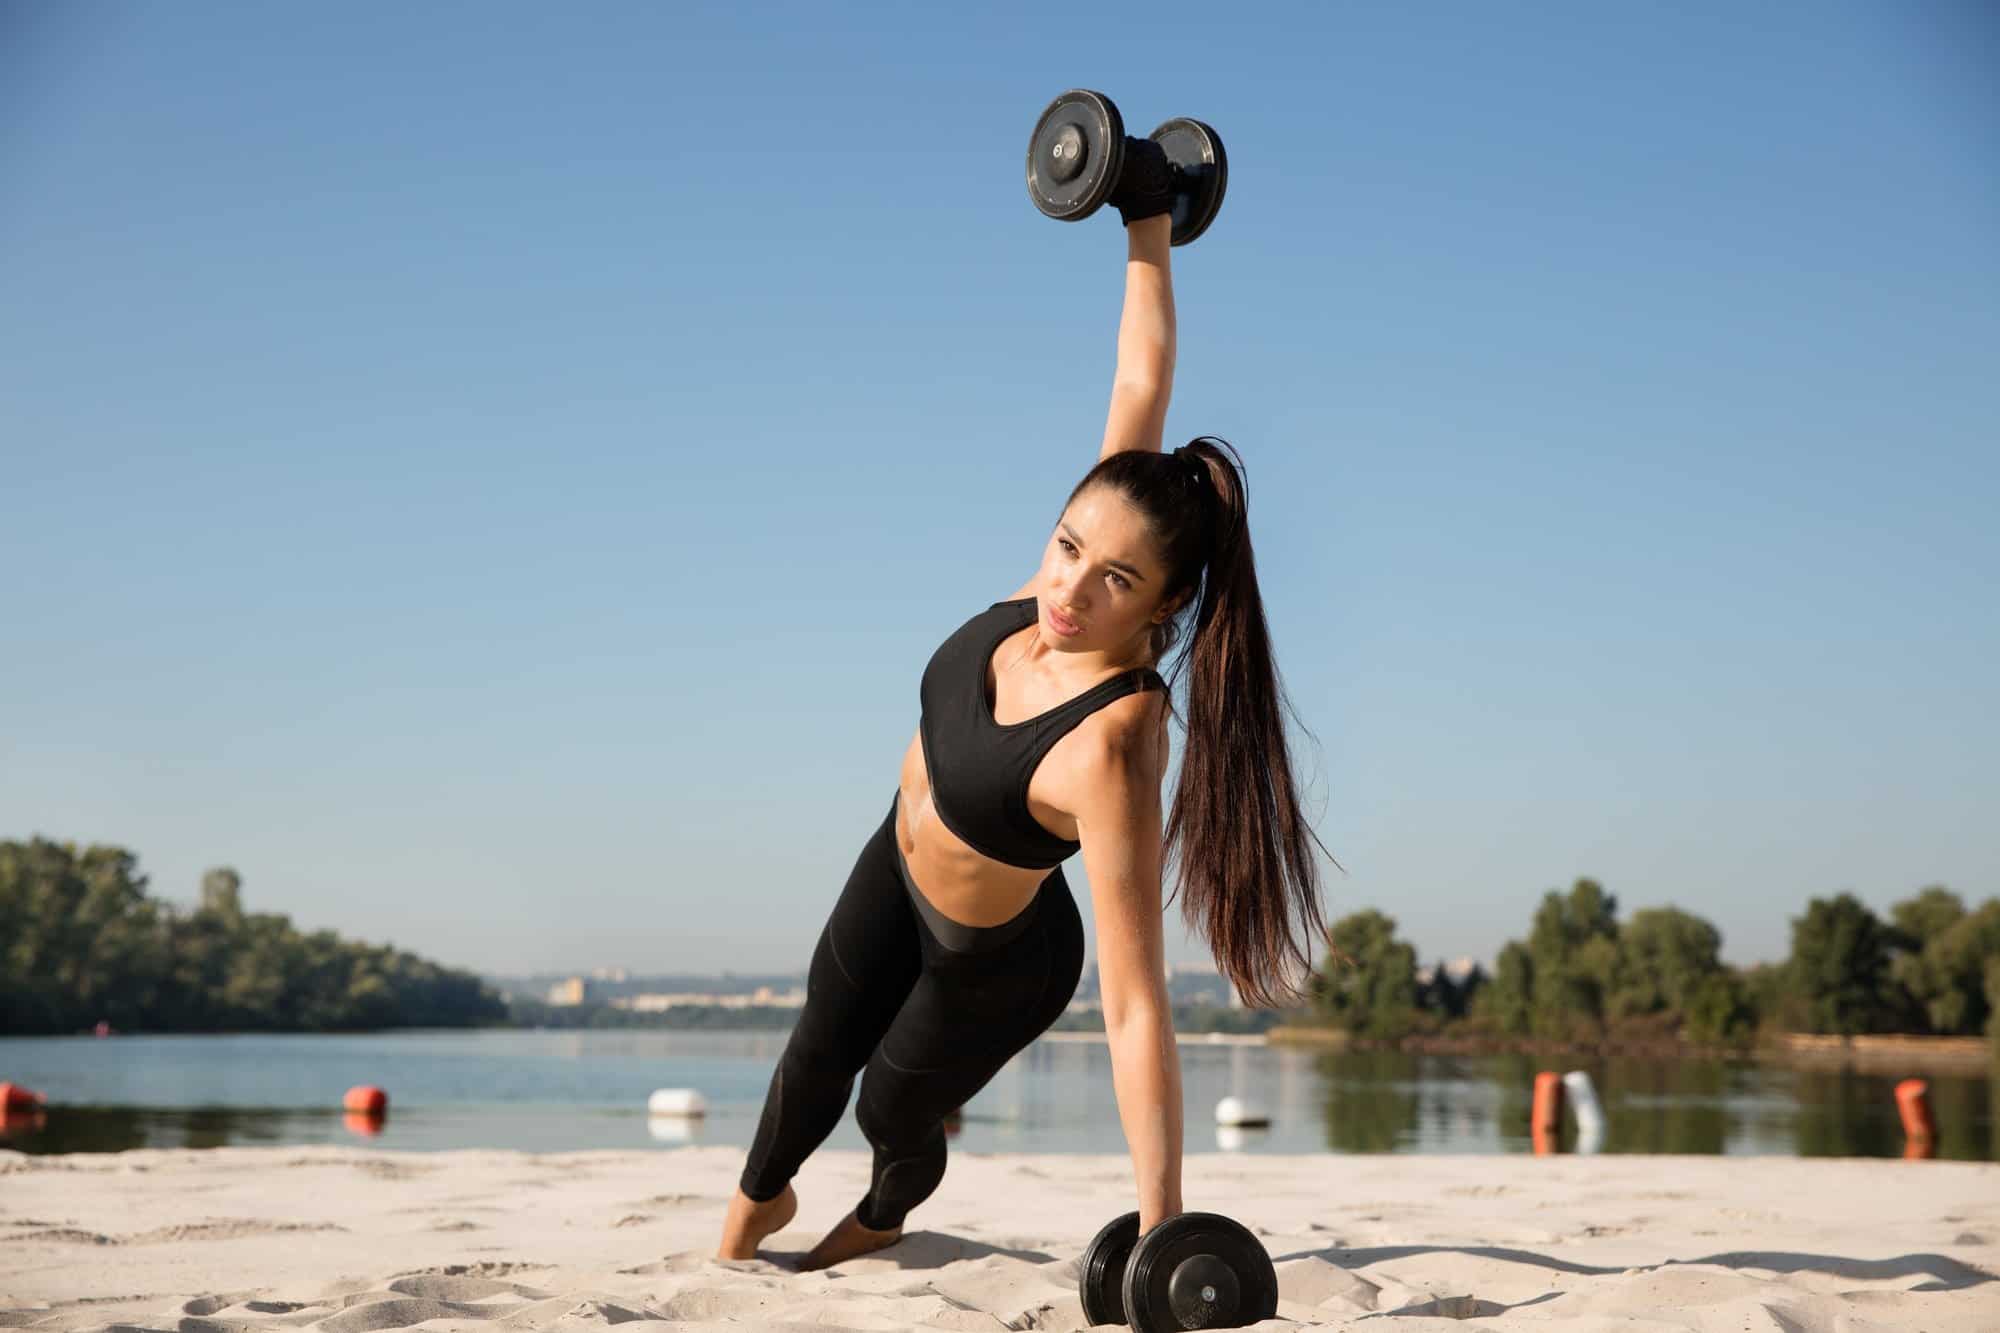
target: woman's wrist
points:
(1150, 238)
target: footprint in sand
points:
(64, 1236)
(488, 1268)
(223, 1229)
(449, 1287)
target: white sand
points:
(348, 1240)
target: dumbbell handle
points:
(1145, 186)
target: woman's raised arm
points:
(1145, 377)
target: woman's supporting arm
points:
(1146, 1076)
(1119, 826)
(1145, 376)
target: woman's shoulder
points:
(1130, 732)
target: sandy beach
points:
(350, 1240)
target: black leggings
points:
(924, 1009)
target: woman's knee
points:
(903, 1178)
(887, 1127)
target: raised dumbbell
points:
(1193, 1270)
(1077, 153)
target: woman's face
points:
(1101, 582)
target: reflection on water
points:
(117, 1128)
(1389, 1101)
(1372, 1102)
(552, 1092)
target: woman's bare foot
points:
(748, 1222)
(847, 1240)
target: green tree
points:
(1929, 913)
(1720, 1011)
(1507, 1001)
(1959, 955)
(80, 942)
(1574, 947)
(1775, 1003)
(1375, 996)
(1665, 956)
(1993, 1003)
(1840, 966)
(222, 895)
(1941, 964)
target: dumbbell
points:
(1193, 1270)
(1077, 153)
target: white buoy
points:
(670, 1129)
(677, 1102)
(1590, 1119)
(1241, 1114)
(1229, 1138)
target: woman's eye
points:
(1070, 549)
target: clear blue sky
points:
(493, 473)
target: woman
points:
(955, 941)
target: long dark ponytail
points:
(1242, 846)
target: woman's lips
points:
(1062, 624)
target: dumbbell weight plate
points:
(1075, 155)
(1202, 177)
(1100, 1274)
(1199, 1270)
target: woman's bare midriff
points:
(964, 885)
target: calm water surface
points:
(557, 1091)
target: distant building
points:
(761, 998)
(574, 991)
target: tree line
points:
(82, 943)
(1581, 975)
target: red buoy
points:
(363, 1124)
(366, 1099)
(22, 1122)
(1913, 1100)
(1546, 1120)
(14, 1097)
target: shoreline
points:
(1885, 1053)
(1183, 1038)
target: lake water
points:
(557, 1091)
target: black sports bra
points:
(980, 768)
